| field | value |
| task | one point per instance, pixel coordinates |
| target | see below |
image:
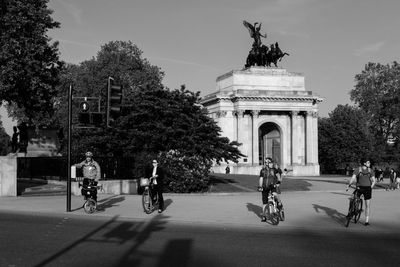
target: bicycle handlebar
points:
(352, 186)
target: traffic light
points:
(114, 102)
(84, 117)
(97, 118)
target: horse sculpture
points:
(261, 55)
(264, 56)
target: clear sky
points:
(195, 41)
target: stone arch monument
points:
(269, 112)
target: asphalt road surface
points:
(29, 239)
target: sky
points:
(195, 41)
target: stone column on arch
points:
(309, 138)
(296, 132)
(242, 133)
(226, 122)
(254, 141)
(315, 138)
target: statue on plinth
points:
(260, 54)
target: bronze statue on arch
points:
(260, 54)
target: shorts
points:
(265, 192)
(366, 191)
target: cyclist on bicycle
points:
(365, 181)
(91, 169)
(268, 182)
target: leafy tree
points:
(156, 121)
(4, 141)
(377, 93)
(29, 63)
(344, 137)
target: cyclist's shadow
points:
(334, 214)
(109, 202)
(257, 210)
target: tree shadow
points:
(335, 215)
(125, 232)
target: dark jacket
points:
(159, 172)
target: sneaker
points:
(366, 224)
(160, 210)
(263, 219)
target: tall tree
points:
(377, 93)
(4, 141)
(29, 62)
(344, 137)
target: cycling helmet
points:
(89, 154)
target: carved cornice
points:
(239, 113)
(312, 113)
(294, 113)
(221, 113)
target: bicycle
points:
(89, 192)
(355, 207)
(149, 198)
(275, 213)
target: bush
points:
(185, 174)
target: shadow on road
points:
(257, 210)
(167, 202)
(335, 215)
(109, 202)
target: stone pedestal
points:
(271, 113)
(8, 176)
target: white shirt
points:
(154, 174)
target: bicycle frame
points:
(149, 198)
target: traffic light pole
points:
(69, 149)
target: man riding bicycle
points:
(91, 169)
(268, 182)
(365, 181)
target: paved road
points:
(200, 230)
(74, 240)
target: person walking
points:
(157, 173)
(392, 180)
(365, 181)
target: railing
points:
(55, 168)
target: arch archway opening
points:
(270, 145)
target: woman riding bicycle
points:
(365, 181)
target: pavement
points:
(324, 204)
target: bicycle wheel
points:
(90, 206)
(147, 202)
(349, 214)
(358, 210)
(273, 216)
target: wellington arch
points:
(269, 111)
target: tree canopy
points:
(377, 93)
(29, 62)
(344, 137)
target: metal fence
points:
(55, 168)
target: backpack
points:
(360, 172)
(269, 177)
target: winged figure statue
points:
(254, 31)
